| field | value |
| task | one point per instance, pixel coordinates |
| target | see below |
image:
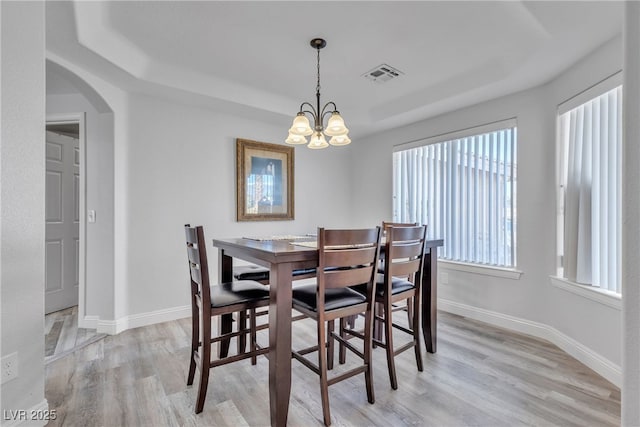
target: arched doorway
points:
(72, 102)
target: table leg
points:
(279, 343)
(430, 300)
(225, 272)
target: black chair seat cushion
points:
(256, 272)
(250, 272)
(237, 292)
(305, 296)
(398, 285)
(303, 271)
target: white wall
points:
(587, 328)
(181, 169)
(22, 174)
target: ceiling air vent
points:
(382, 73)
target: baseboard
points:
(113, 327)
(584, 354)
(38, 415)
(89, 322)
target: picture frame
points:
(264, 181)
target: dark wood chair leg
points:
(368, 349)
(226, 326)
(195, 340)
(242, 338)
(410, 308)
(322, 365)
(351, 321)
(377, 326)
(331, 344)
(205, 365)
(388, 339)
(252, 338)
(416, 331)
(342, 350)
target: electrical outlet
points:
(9, 366)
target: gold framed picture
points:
(264, 181)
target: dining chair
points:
(404, 250)
(408, 304)
(408, 307)
(209, 301)
(345, 258)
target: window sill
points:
(487, 270)
(596, 294)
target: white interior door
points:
(62, 247)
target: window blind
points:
(591, 143)
(464, 189)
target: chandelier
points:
(301, 127)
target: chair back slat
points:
(348, 257)
(193, 253)
(407, 249)
(344, 278)
(196, 275)
(403, 233)
(191, 234)
(349, 237)
(406, 267)
(386, 224)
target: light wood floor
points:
(480, 376)
(62, 335)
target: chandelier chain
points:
(318, 85)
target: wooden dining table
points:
(282, 257)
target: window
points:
(464, 189)
(589, 192)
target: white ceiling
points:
(254, 58)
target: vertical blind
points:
(590, 137)
(465, 191)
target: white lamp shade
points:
(301, 126)
(295, 139)
(340, 140)
(318, 141)
(335, 125)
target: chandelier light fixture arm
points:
(301, 127)
(313, 110)
(324, 109)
